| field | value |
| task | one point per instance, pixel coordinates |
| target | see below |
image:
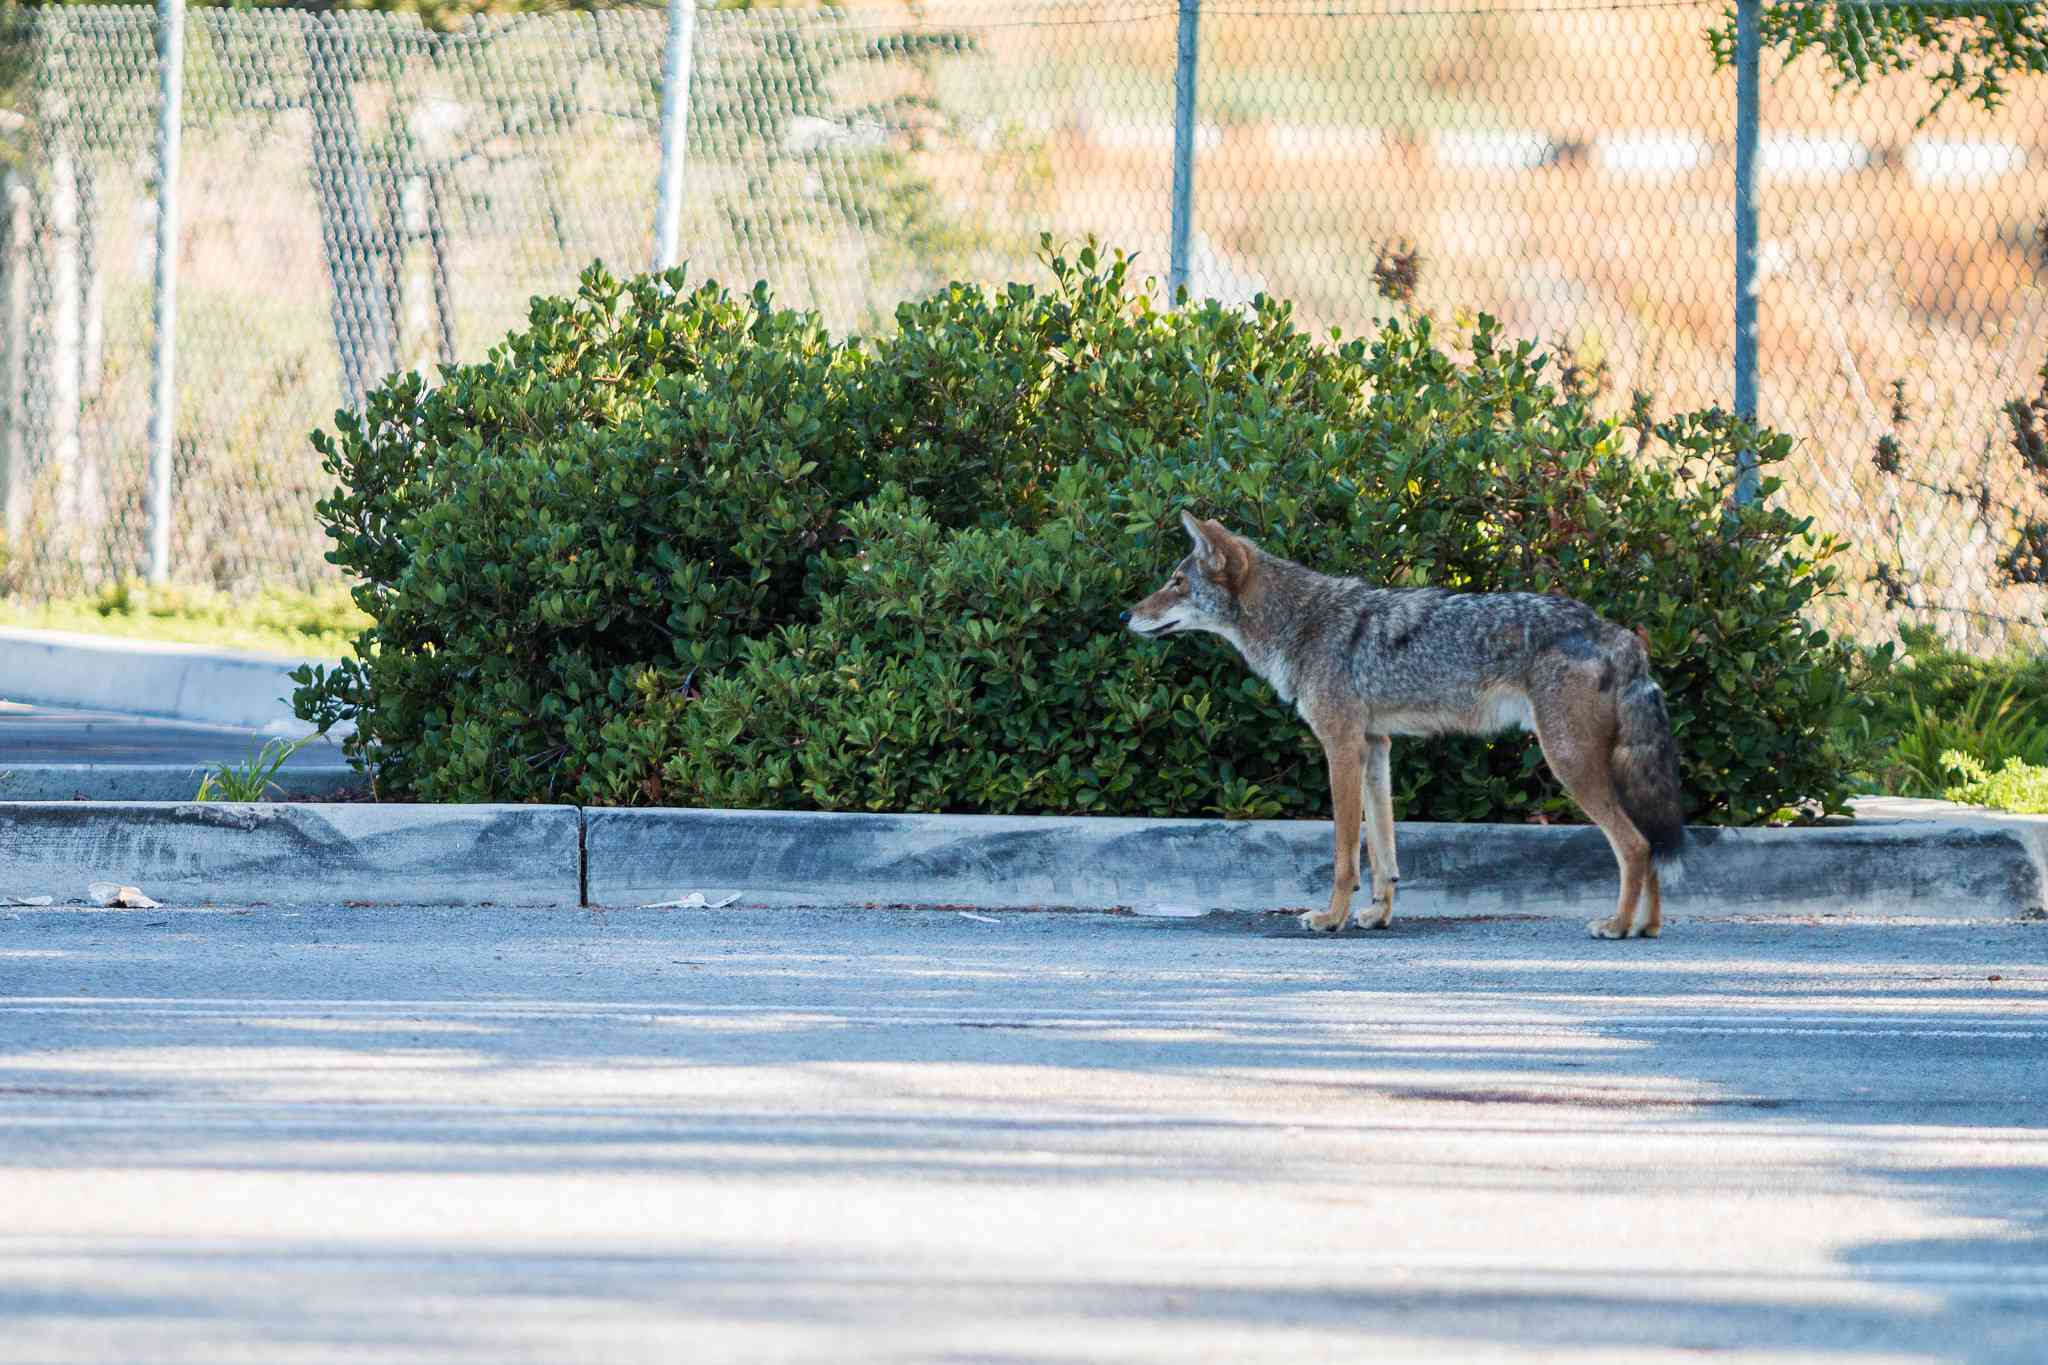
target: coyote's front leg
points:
(1346, 755)
(1379, 833)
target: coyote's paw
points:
(1607, 928)
(1380, 913)
(1319, 921)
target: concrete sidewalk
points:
(194, 683)
(834, 1136)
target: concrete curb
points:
(186, 853)
(636, 857)
(188, 682)
(156, 781)
(277, 854)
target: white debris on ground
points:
(114, 894)
(694, 901)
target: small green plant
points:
(253, 779)
(2019, 786)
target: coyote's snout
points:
(1362, 664)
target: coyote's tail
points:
(1645, 762)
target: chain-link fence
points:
(360, 194)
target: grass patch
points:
(286, 622)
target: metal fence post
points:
(675, 129)
(14, 268)
(1746, 120)
(1183, 145)
(163, 412)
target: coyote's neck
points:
(1270, 617)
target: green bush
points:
(669, 546)
(641, 478)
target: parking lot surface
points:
(489, 1135)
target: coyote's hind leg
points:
(1581, 766)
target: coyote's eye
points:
(1179, 580)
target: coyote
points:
(1362, 663)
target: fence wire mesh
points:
(361, 194)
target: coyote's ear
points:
(1236, 559)
(1220, 552)
(1206, 549)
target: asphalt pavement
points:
(55, 734)
(490, 1135)
(54, 753)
